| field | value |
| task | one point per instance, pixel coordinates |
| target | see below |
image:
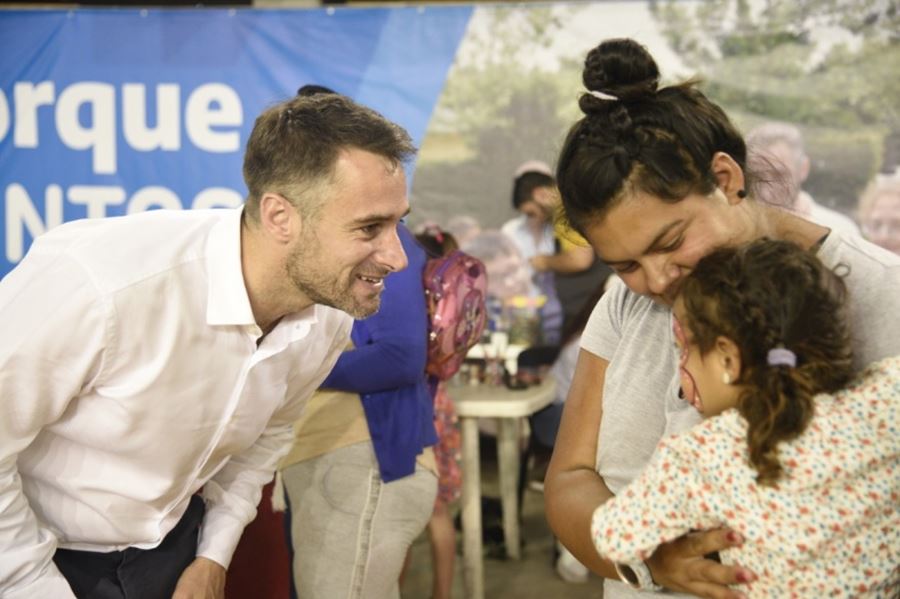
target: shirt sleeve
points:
(662, 504)
(232, 494)
(392, 350)
(55, 330)
(602, 334)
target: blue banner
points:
(110, 112)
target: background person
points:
(184, 346)
(655, 178)
(879, 211)
(532, 232)
(795, 455)
(361, 479)
(447, 451)
(782, 151)
(575, 268)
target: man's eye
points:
(369, 230)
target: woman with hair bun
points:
(656, 178)
(795, 454)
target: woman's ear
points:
(729, 177)
(729, 356)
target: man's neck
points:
(270, 293)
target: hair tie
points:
(602, 96)
(436, 232)
(780, 356)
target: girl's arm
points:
(652, 510)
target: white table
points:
(508, 407)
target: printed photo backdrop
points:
(108, 112)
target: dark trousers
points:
(135, 573)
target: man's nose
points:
(391, 254)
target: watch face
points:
(637, 576)
(628, 575)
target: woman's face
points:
(652, 245)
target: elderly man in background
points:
(781, 148)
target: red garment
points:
(261, 568)
(447, 449)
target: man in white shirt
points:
(152, 365)
(779, 147)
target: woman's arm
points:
(572, 488)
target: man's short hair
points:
(295, 145)
(525, 184)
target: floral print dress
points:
(831, 526)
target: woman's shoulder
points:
(852, 251)
(627, 305)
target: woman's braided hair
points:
(647, 139)
(764, 295)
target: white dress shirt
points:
(130, 377)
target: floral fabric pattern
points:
(447, 450)
(831, 526)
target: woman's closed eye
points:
(625, 268)
(671, 247)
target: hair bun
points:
(618, 67)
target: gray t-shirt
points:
(640, 392)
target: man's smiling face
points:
(350, 244)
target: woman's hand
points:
(682, 565)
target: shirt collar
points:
(227, 301)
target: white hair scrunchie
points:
(602, 96)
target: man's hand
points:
(203, 579)
(681, 566)
(540, 263)
(548, 199)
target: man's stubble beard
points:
(319, 287)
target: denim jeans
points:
(135, 573)
(350, 531)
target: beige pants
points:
(350, 531)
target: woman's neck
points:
(790, 227)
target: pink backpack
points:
(455, 290)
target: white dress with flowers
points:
(831, 526)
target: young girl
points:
(796, 455)
(441, 533)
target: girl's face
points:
(702, 381)
(652, 245)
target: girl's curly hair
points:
(764, 295)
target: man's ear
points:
(279, 218)
(729, 356)
(803, 170)
(729, 177)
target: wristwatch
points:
(637, 576)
